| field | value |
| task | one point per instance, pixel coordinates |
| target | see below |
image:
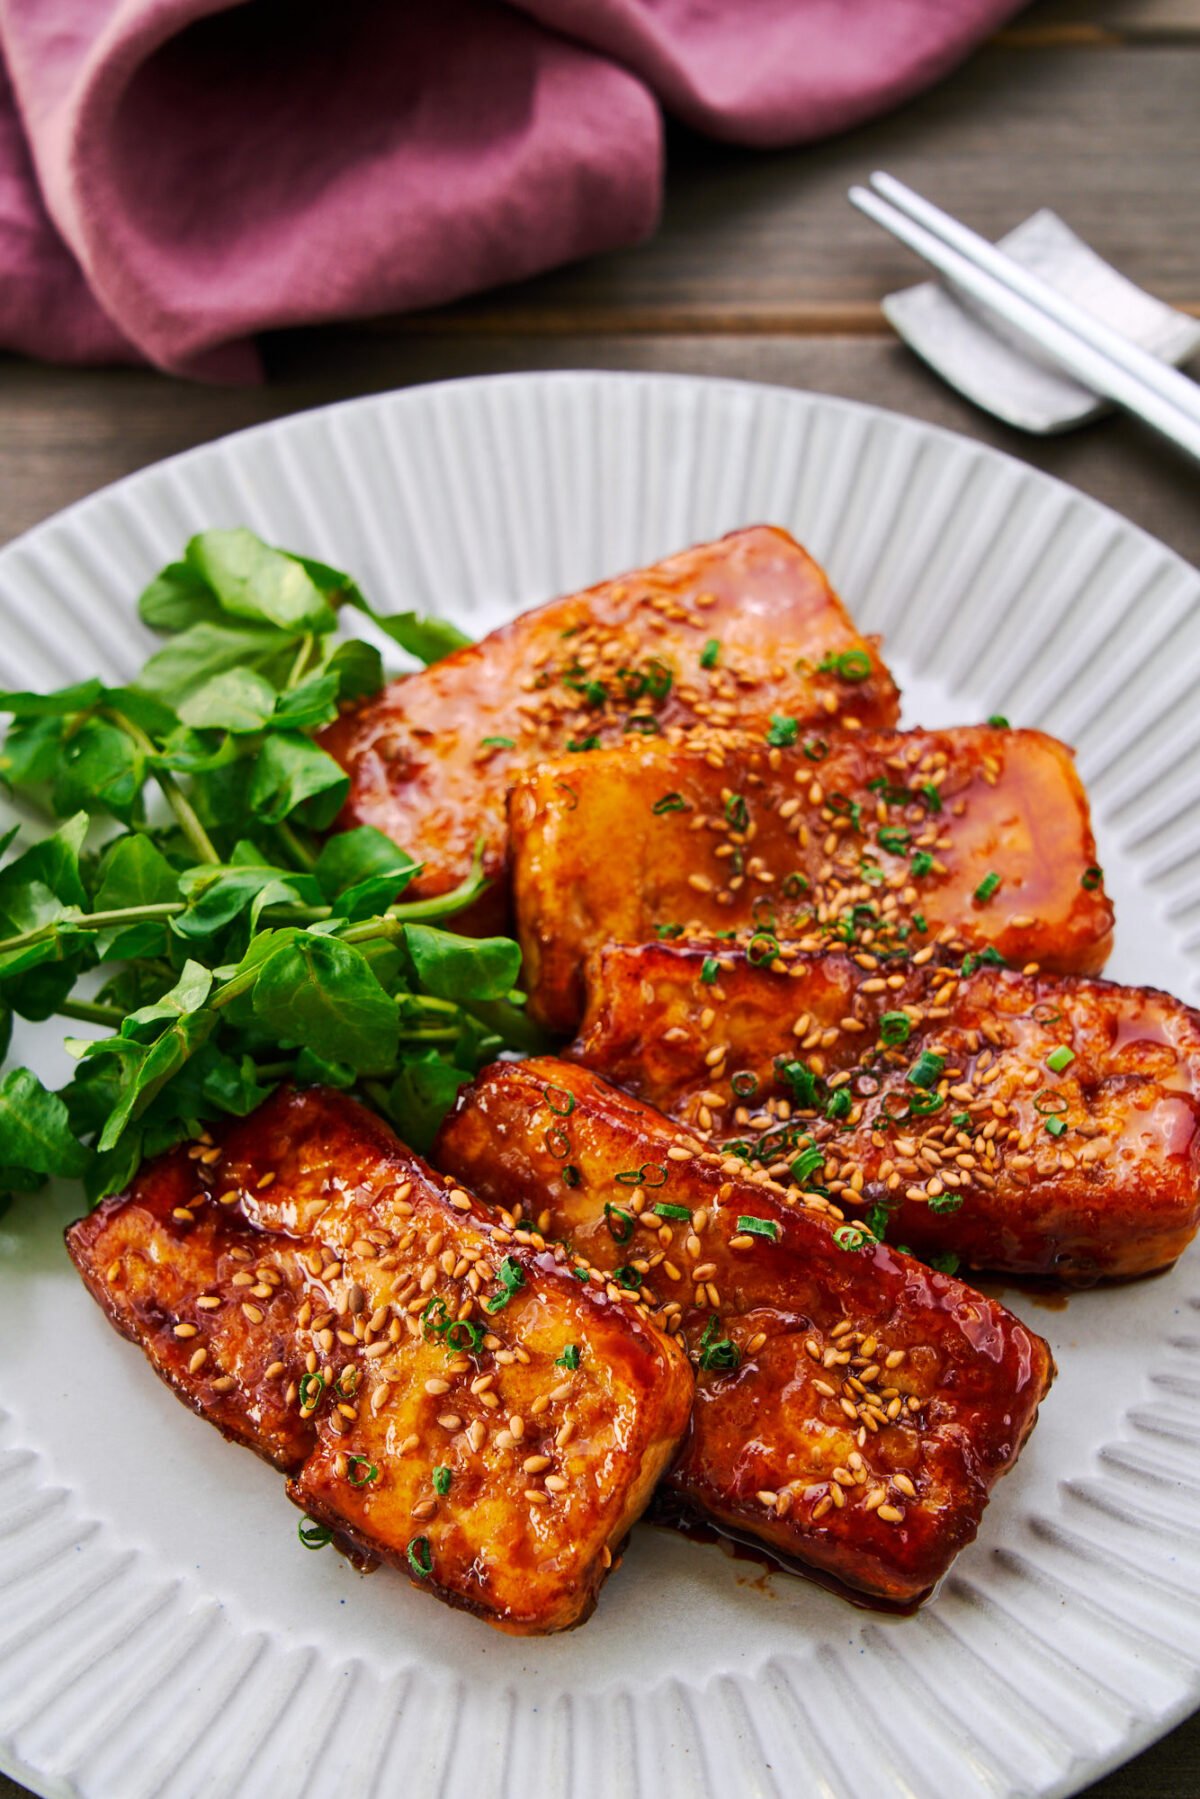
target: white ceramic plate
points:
(163, 1632)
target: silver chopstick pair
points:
(1092, 351)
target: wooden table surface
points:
(761, 270)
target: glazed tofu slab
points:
(724, 635)
(1035, 1124)
(446, 1394)
(972, 838)
(853, 1407)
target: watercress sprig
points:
(189, 902)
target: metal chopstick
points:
(1081, 355)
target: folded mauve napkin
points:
(176, 175)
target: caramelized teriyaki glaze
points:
(723, 635)
(1058, 1132)
(399, 1353)
(890, 840)
(853, 1407)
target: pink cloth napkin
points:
(176, 175)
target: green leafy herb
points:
(219, 945)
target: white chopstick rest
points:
(1082, 344)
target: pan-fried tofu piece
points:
(973, 837)
(478, 1413)
(210, 1301)
(723, 635)
(853, 1407)
(1035, 1124)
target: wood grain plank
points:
(1104, 22)
(769, 242)
(68, 432)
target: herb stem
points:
(89, 1011)
(301, 663)
(174, 795)
(299, 852)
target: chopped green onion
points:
(815, 748)
(806, 1164)
(895, 839)
(737, 813)
(1049, 1100)
(987, 886)
(627, 1276)
(498, 743)
(921, 863)
(1091, 877)
(783, 731)
(926, 1069)
(709, 971)
(1060, 1058)
(794, 885)
(511, 1276)
(441, 1480)
(312, 1534)
(663, 1210)
(571, 1175)
(557, 1142)
(576, 746)
(762, 948)
(759, 1227)
(946, 1263)
(744, 1084)
(569, 1357)
(650, 1174)
(851, 1237)
(877, 1221)
(930, 795)
(801, 1080)
(668, 930)
(840, 1104)
(844, 807)
(621, 1225)
(945, 1202)
(670, 802)
(919, 923)
(360, 1472)
(710, 652)
(998, 722)
(552, 1097)
(895, 1027)
(717, 1352)
(420, 1559)
(961, 1121)
(990, 956)
(644, 723)
(921, 1103)
(1056, 1126)
(310, 1390)
(461, 1336)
